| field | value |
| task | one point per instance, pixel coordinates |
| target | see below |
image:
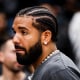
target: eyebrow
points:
(21, 27)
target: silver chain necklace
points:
(56, 51)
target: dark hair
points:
(4, 40)
(45, 20)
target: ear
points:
(1, 57)
(46, 37)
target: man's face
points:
(27, 40)
(9, 56)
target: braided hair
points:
(45, 20)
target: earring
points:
(45, 43)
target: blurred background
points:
(63, 10)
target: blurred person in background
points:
(10, 7)
(64, 42)
(74, 35)
(69, 7)
(11, 69)
(3, 24)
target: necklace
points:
(56, 51)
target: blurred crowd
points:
(67, 13)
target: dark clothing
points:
(57, 67)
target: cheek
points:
(11, 57)
(30, 40)
(27, 41)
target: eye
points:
(23, 32)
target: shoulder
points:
(64, 74)
(59, 63)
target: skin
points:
(26, 36)
(9, 57)
(11, 69)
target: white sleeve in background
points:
(74, 35)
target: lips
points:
(18, 47)
(20, 51)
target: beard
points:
(30, 56)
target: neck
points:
(9, 75)
(47, 50)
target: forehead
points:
(23, 21)
(9, 44)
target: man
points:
(11, 69)
(35, 36)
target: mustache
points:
(19, 47)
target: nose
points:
(16, 38)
